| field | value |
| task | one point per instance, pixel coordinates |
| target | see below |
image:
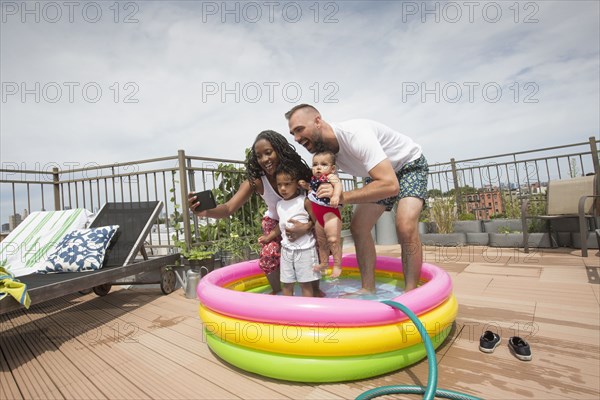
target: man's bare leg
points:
(407, 228)
(364, 218)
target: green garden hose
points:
(431, 390)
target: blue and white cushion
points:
(80, 250)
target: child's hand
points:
(264, 239)
(304, 185)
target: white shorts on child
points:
(297, 265)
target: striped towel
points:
(11, 286)
(26, 248)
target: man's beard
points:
(318, 143)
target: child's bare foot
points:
(320, 267)
(337, 271)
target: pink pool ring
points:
(307, 311)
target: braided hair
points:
(285, 151)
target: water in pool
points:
(343, 287)
(346, 287)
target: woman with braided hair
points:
(269, 150)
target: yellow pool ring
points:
(249, 283)
(318, 369)
(327, 340)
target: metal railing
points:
(169, 179)
(515, 173)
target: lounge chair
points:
(574, 200)
(135, 220)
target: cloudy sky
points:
(106, 82)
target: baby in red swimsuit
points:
(327, 213)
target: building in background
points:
(14, 221)
(485, 203)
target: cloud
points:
(186, 75)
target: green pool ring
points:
(318, 369)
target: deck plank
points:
(191, 345)
(34, 382)
(9, 388)
(137, 343)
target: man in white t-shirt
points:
(395, 171)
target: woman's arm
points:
(242, 195)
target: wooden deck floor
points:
(139, 344)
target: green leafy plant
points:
(425, 215)
(232, 244)
(252, 244)
(443, 212)
(512, 206)
(466, 217)
(231, 235)
(536, 206)
(198, 253)
(505, 229)
(512, 209)
(248, 219)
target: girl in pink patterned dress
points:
(268, 151)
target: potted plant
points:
(443, 212)
(472, 228)
(197, 254)
(229, 249)
(506, 236)
(424, 221)
(252, 247)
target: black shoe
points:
(489, 341)
(519, 348)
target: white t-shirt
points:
(294, 209)
(365, 143)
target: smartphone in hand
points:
(206, 200)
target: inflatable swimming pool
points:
(321, 339)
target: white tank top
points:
(271, 197)
(294, 209)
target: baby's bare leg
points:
(333, 234)
(323, 248)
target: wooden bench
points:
(576, 199)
